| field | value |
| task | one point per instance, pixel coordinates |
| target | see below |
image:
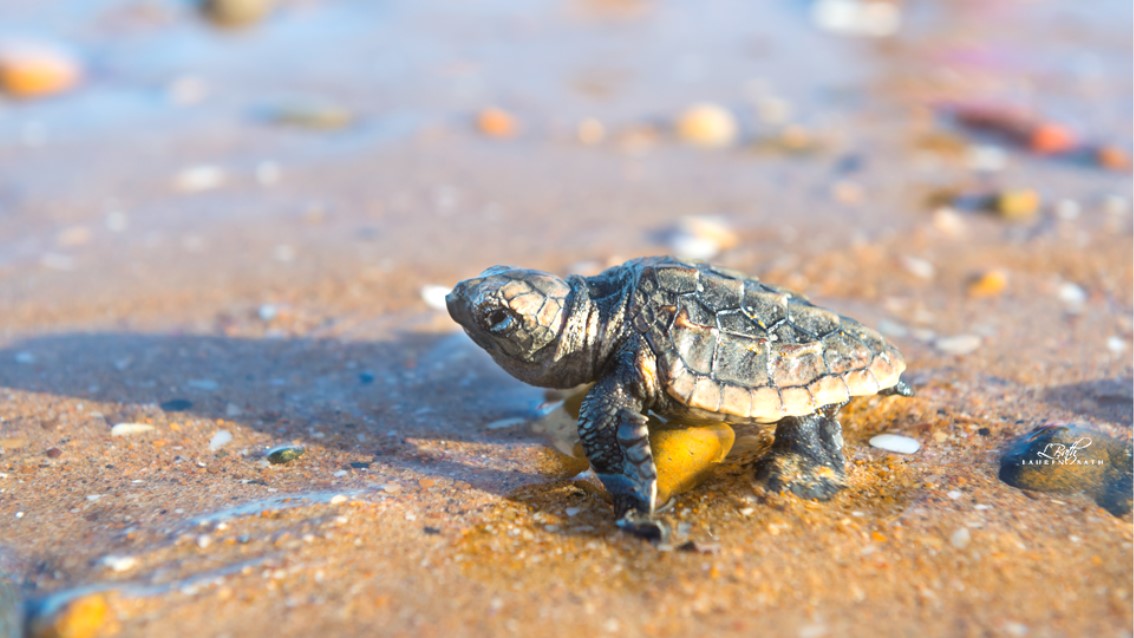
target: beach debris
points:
(219, 440)
(686, 456)
(958, 345)
(990, 283)
(79, 617)
(1069, 459)
(897, 443)
(434, 296)
(236, 13)
(863, 18)
(283, 454)
(698, 237)
(126, 429)
(707, 125)
(496, 122)
(1037, 134)
(33, 69)
(1015, 126)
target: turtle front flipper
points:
(617, 442)
(806, 458)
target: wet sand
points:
(282, 304)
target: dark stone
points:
(176, 405)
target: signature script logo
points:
(1063, 454)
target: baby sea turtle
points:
(685, 340)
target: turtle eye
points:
(498, 321)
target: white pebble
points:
(434, 296)
(989, 159)
(895, 443)
(219, 440)
(118, 563)
(700, 237)
(920, 268)
(1072, 294)
(858, 18)
(960, 538)
(199, 178)
(340, 473)
(204, 541)
(1116, 344)
(958, 344)
(125, 429)
(338, 499)
(955, 494)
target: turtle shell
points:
(729, 344)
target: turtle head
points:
(517, 315)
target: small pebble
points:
(176, 405)
(895, 443)
(53, 453)
(989, 159)
(960, 538)
(81, 617)
(199, 178)
(707, 125)
(857, 17)
(591, 131)
(1072, 294)
(37, 69)
(1016, 205)
(219, 440)
(959, 344)
(284, 454)
(338, 499)
(125, 429)
(990, 283)
(700, 237)
(434, 296)
(920, 268)
(236, 13)
(1115, 344)
(495, 122)
(117, 563)
(955, 494)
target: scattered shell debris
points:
(126, 429)
(895, 443)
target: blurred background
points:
(225, 147)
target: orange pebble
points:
(1112, 158)
(988, 284)
(496, 123)
(30, 70)
(1048, 139)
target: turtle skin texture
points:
(686, 340)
